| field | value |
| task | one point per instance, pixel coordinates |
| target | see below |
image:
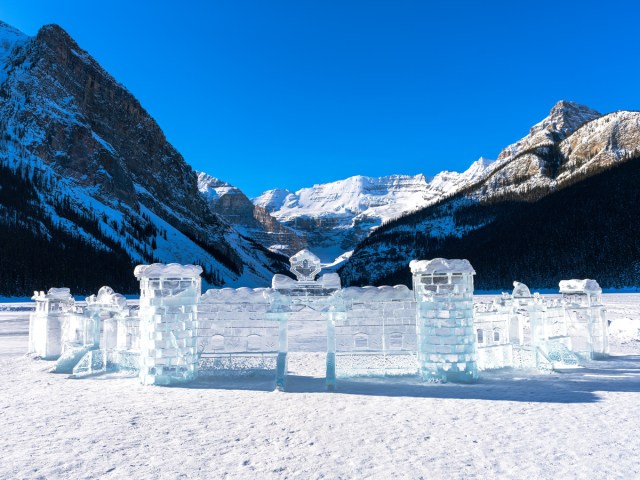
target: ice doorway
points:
(306, 310)
(307, 332)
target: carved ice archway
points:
(289, 297)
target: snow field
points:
(512, 424)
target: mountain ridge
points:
(94, 180)
(103, 171)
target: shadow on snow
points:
(583, 385)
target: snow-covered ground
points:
(512, 424)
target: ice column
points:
(45, 324)
(444, 316)
(169, 297)
(520, 298)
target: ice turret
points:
(444, 317)
(169, 297)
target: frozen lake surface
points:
(512, 424)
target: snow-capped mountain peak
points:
(251, 220)
(10, 38)
(564, 118)
(93, 173)
(272, 200)
(545, 179)
(213, 188)
(336, 216)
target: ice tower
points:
(169, 297)
(444, 319)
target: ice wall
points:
(377, 334)
(235, 337)
(444, 318)
(169, 297)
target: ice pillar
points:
(444, 316)
(283, 347)
(331, 350)
(169, 297)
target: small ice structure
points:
(497, 329)
(116, 349)
(169, 297)
(45, 324)
(587, 325)
(305, 266)
(520, 290)
(111, 308)
(446, 336)
(81, 335)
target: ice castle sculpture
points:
(587, 325)
(434, 331)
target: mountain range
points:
(560, 203)
(89, 187)
(336, 216)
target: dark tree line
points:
(36, 253)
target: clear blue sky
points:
(269, 94)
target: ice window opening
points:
(395, 341)
(361, 340)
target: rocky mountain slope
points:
(570, 146)
(336, 216)
(94, 169)
(253, 221)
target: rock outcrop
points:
(251, 220)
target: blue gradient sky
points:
(269, 94)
